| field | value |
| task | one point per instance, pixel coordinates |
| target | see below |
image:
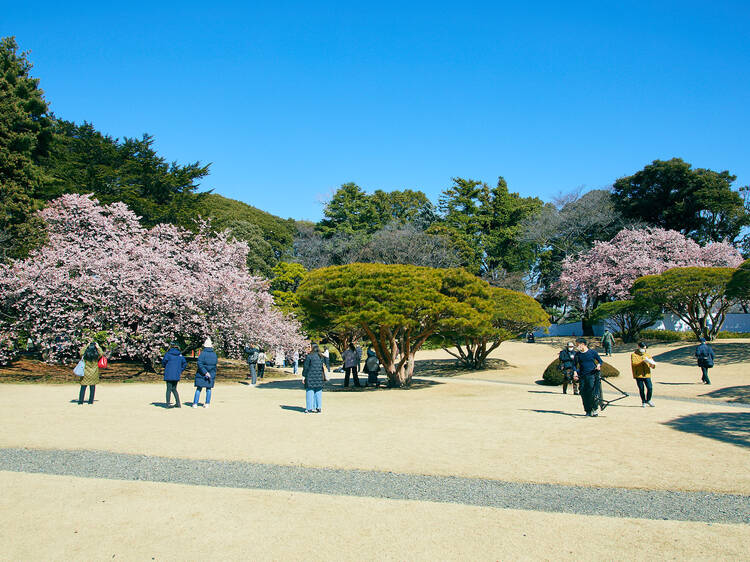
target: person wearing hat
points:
(608, 340)
(567, 359)
(704, 353)
(641, 363)
(588, 366)
(205, 377)
(174, 364)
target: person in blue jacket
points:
(174, 363)
(704, 353)
(205, 376)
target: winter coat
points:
(639, 365)
(174, 363)
(567, 360)
(371, 364)
(91, 370)
(350, 358)
(705, 355)
(252, 354)
(207, 362)
(608, 339)
(312, 370)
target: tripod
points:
(600, 397)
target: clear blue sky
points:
(288, 100)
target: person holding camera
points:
(588, 367)
(641, 363)
(567, 359)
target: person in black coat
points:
(704, 353)
(588, 367)
(174, 364)
(205, 376)
(567, 359)
(314, 373)
(372, 368)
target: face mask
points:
(642, 349)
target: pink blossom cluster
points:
(102, 272)
(610, 268)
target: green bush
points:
(665, 335)
(732, 335)
(553, 376)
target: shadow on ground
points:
(726, 354)
(337, 385)
(452, 368)
(740, 394)
(558, 412)
(731, 428)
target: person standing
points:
(174, 364)
(567, 359)
(608, 341)
(327, 357)
(262, 363)
(704, 353)
(252, 362)
(90, 353)
(641, 363)
(372, 368)
(295, 361)
(587, 372)
(205, 376)
(314, 375)
(350, 365)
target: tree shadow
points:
(337, 385)
(452, 368)
(558, 412)
(292, 408)
(731, 428)
(727, 353)
(739, 394)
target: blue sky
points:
(288, 100)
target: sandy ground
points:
(46, 517)
(451, 427)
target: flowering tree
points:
(609, 269)
(103, 274)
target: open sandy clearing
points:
(65, 518)
(463, 428)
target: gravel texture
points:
(611, 502)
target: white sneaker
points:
(195, 405)
(651, 404)
(206, 405)
(643, 405)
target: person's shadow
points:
(558, 412)
(292, 408)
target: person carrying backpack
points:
(174, 364)
(608, 341)
(252, 362)
(704, 353)
(90, 353)
(205, 376)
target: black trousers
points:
(261, 369)
(705, 378)
(351, 371)
(645, 388)
(172, 389)
(82, 393)
(589, 389)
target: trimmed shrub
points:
(665, 335)
(553, 376)
(732, 335)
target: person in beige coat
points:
(90, 353)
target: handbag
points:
(102, 362)
(80, 368)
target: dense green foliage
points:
(25, 133)
(671, 194)
(697, 295)
(284, 284)
(739, 285)
(628, 317)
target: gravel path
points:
(612, 502)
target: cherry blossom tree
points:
(102, 274)
(608, 269)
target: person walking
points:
(567, 359)
(252, 362)
(351, 366)
(608, 341)
(641, 363)
(372, 368)
(90, 353)
(314, 373)
(295, 361)
(174, 364)
(704, 353)
(262, 363)
(205, 376)
(327, 357)
(587, 372)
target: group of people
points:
(581, 368)
(315, 371)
